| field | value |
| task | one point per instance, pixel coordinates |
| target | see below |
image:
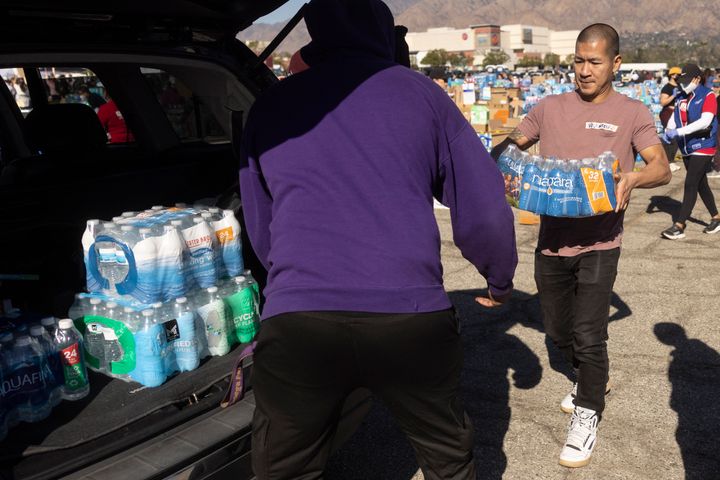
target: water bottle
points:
(131, 319)
(212, 313)
(150, 343)
(201, 246)
(49, 324)
(554, 189)
(256, 288)
(573, 200)
(196, 298)
(94, 335)
(244, 315)
(227, 232)
(80, 307)
(53, 374)
(7, 340)
(128, 237)
(586, 167)
(529, 184)
(164, 315)
(69, 343)
(171, 266)
(107, 260)
(27, 380)
(148, 288)
(543, 198)
(607, 164)
(5, 408)
(112, 351)
(507, 159)
(92, 228)
(211, 219)
(187, 353)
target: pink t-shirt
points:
(570, 128)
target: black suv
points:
(182, 84)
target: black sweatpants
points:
(696, 182)
(575, 302)
(307, 363)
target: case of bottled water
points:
(559, 188)
(148, 343)
(41, 364)
(161, 253)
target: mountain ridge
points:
(662, 20)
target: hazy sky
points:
(283, 13)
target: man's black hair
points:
(601, 31)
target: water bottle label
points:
(598, 191)
(224, 235)
(108, 344)
(25, 378)
(75, 376)
(244, 314)
(199, 242)
(213, 316)
(172, 332)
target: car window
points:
(17, 86)
(82, 85)
(187, 111)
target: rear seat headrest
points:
(64, 126)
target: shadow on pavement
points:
(694, 374)
(490, 351)
(379, 450)
(664, 204)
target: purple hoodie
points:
(340, 164)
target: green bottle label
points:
(104, 335)
(73, 368)
(244, 313)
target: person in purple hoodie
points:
(339, 167)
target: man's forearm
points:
(515, 137)
(656, 173)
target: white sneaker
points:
(674, 167)
(581, 438)
(567, 404)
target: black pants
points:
(671, 149)
(696, 182)
(575, 301)
(307, 363)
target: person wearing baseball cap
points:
(668, 94)
(694, 125)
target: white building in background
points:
(518, 41)
(525, 40)
(563, 42)
(459, 41)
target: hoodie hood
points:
(348, 27)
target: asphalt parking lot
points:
(662, 419)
